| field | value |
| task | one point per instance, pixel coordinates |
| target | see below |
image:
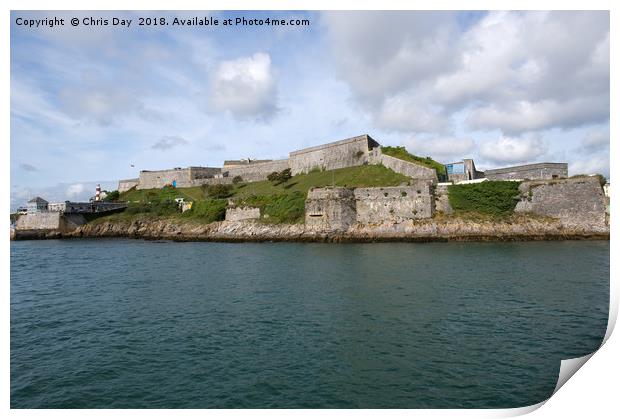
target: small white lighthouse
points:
(98, 193)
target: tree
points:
(285, 175)
(219, 191)
(112, 196)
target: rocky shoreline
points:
(524, 229)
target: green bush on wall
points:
(493, 197)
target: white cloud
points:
(443, 149)
(75, 190)
(516, 117)
(169, 142)
(590, 165)
(381, 53)
(403, 113)
(245, 87)
(513, 150)
(595, 141)
(513, 71)
(28, 167)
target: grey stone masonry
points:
(336, 209)
(242, 213)
(529, 171)
(336, 155)
(330, 209)
(184, 177)
(412, 170)
(257, 171)
(579, 203)
(442, 202)
(394, 204)
(126, 184)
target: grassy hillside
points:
(282, 202)
(403, 154)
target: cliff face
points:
(421, 230)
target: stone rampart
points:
(330, 208)
(46, 220)
(394, 204)
(579, 203)
(409, 169)
(336, 209)
(442, 203)
(529, 171)
(126, 184)
(242, 213)
(184, 177)
(337, 155)
(258, 171)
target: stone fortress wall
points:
(394, 204)
(48, 220)
(412, 170)
(355, 151)
(529, 171)
(579, 203)
(242, 213)
(330, 208)
(126, 184)
(184, 177)
(336, 209)
(256, 172)
(337, 155)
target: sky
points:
(94, 104)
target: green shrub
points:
(497, 198)
(159, 208)
(285, 175)
(237, 179)
(219, 191)
(209, 210)
(282, 208)
(112, 196)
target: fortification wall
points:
(203, 172)
(330, 208)
(126, 184)
(185, 177)
(48, 220)
(394, 204)
(257, 172)
(213, 181)
(579, 203)
(157, 179)
(442, 202)
(529, 171)
(336, 209)
(412, 170)
(242, 213)
(337, 155)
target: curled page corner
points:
(569, 367)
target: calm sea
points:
(138, 324)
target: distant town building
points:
(57, 206)
(36, 205)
